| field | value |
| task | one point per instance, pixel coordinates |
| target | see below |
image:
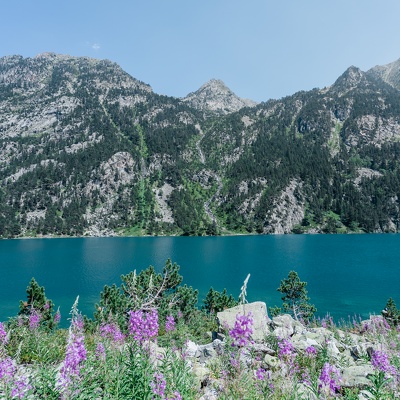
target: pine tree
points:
(37, 302)
(391, 313)
(295, 300)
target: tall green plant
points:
(295, 300)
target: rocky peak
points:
(389, 73)
(216, 96)
(350, 79)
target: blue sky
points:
(261, 49)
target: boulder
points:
(271, 361)
(207, 352)
(191, 349)
(356, 376)
(285, 326)
(226, 319)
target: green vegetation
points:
(295, 300)
(136, 347)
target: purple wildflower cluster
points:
(100, 352)
(7, 369)
(287, 353)
(261, 374)
(311, 351)
(380, 361)
(286, 349)
(329, 379)
(377, 325)
(242, 331)
(21, 386)
(143, 326)
(158, 385)
(170, 323)
(112, 332)
(75, 354)
(8, 374)
(34, 319)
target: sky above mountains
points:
(261, 49)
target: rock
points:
(262, 348)
(227, 318)
(218, 346)
(356, 376)
(333, 351)
(271, 361)
(207, 352)
(301, 342)
(209, 394)
(201, 374)
(284, 326)
(305, 392)
(191, 349)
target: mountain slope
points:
(389, 73)
(86, 149)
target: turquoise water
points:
(346, 274)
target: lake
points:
(346, 274)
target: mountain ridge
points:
(86, 149)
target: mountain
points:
(215, 96)
(86, 149)
(389, 73)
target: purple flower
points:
(143, 326)
(311, 351)
(305, 378)
(75, 354)
(170, 323)
(34, 320)
(260, 374)
(286, 349)
(100, 352)
(176, 396)
(7, 369)
(21, 386)
(330, 378)
(112, 331)
(57, 317)
(380, 361)
(378, 325)
(3, 335)
(158, 385)
(243, 329)
(234, 361)
(77, 323)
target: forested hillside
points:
(86, 149)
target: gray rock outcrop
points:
(258, 309)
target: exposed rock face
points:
(258, 309)
(215, 96)
(287, 211)
(349, 80)
(390, 73)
